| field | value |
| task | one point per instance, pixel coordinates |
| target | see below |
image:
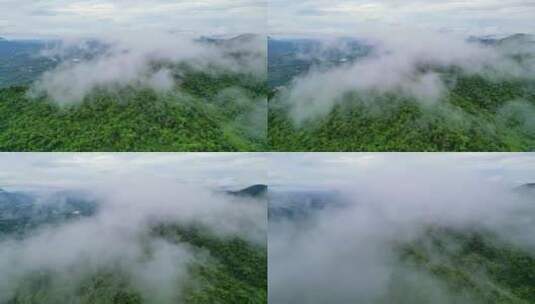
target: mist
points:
(142, 59)
(351, 252)
(119, 239)
(405, 61)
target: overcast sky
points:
(33, 18)
(243, 169)
(333, 170)
(27, 170)
(346, 17)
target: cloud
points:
(141, 59)
(333, 170)
(118, 237)
(74, 170)
(406, 62)
(345, 16)
(347, 252)
(86, 18)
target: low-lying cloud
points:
(144, 59)
(118, 239)
(347, 254)
(406, 62)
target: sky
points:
(236, 170)
(60, 18)
(67, 170)
(338, 170)
(346, 17)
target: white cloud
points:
(332, 170)
(88, 18)
(23, 170)
(349, 16)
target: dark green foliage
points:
(474, 263)
(100, 287)
(235, 272)
(198, 117)
(477, 115)
(238, 274)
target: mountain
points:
(255, 191)
(526, 189)
(300, 205)
(472, 264)
(519, 38)
(289, 58)
(233, 41)
(231, 270)
(22, 212)
(201, 115)
(243, 38)
(475, 112)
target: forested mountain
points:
(434, 262)
(225, 268)
(208, 113)
(205, 106)
(476, 111)
(475, 266)
(476, 115)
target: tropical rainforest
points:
(477, 115)
(377, 262)
(475, 266)
(322, 98)
(224, 268)
(209, 113)
(60, 98)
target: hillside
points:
(207, 112)
(476, 115)
(475, 266)
(321, 98)
(234, 273)
(224, 269)
(445, 263)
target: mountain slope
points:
(207, 113)
(473, 265)
(476, 115)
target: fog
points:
(404, 61)
(119, 238)
(143, 59)
(350, 252)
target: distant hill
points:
(299, 205)
(526, 189)
(251, 191)
(22, 212)
(240, 39)
(518, 38)
(289, 58)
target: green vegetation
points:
(235, 272)
(473, 265)
(237, 275)
(208, 112)
(477, 115)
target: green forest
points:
(477, 114)
(236, 272)
(207, 112)
(474, 266)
